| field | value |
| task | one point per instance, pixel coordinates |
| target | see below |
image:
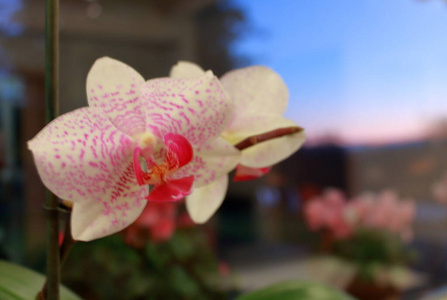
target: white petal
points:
(93, 220)
(114, 87)
(255, 90)
(211, 161)
(273, 151)
(185, 70)
(204, 201)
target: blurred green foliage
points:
(185, 267)
(368, 249)
(296, 290)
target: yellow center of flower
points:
(146, 140)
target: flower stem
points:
(67, 244)
(52, 103)
(256, 139)
(52, 59)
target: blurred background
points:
(366, 80)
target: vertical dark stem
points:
(52, 59)
(52, 103)
(67, 243)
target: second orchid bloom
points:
(159, 140)
(260, 98)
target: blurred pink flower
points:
(224, 268)
(314, 213)
(327, 212)
(340, 217)
(382, 211)
(184, 221)
(357, 210)
(388, 212)
(156, 223)
(162, 230)
(334, 198)
(341, 229)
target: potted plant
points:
(369, 233)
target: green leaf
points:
(20, 283)
(296, 290)
(182, 247)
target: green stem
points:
(52, 59)
(67, 245)
(52, 103)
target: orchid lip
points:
(157, 174)
(177, 152)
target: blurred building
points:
(274, 202)
(411, 169)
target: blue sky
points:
(369, 71)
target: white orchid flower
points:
(260, 99)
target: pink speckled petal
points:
(270, 152)
(82, 157)
(211, 161)
(185, 70)
(255, 90)
(93, 220)
(172, 190)
(198, 109)
(204, 201)
(114, 87)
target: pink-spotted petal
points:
(114, 87)
(255, 90)
(172, 190)
(244, 173)
(82, 157)
(210, 162)
(179, 151)
(185, 70)
(204, 201)
(198, 109)
(93, 220)
(270, 152)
